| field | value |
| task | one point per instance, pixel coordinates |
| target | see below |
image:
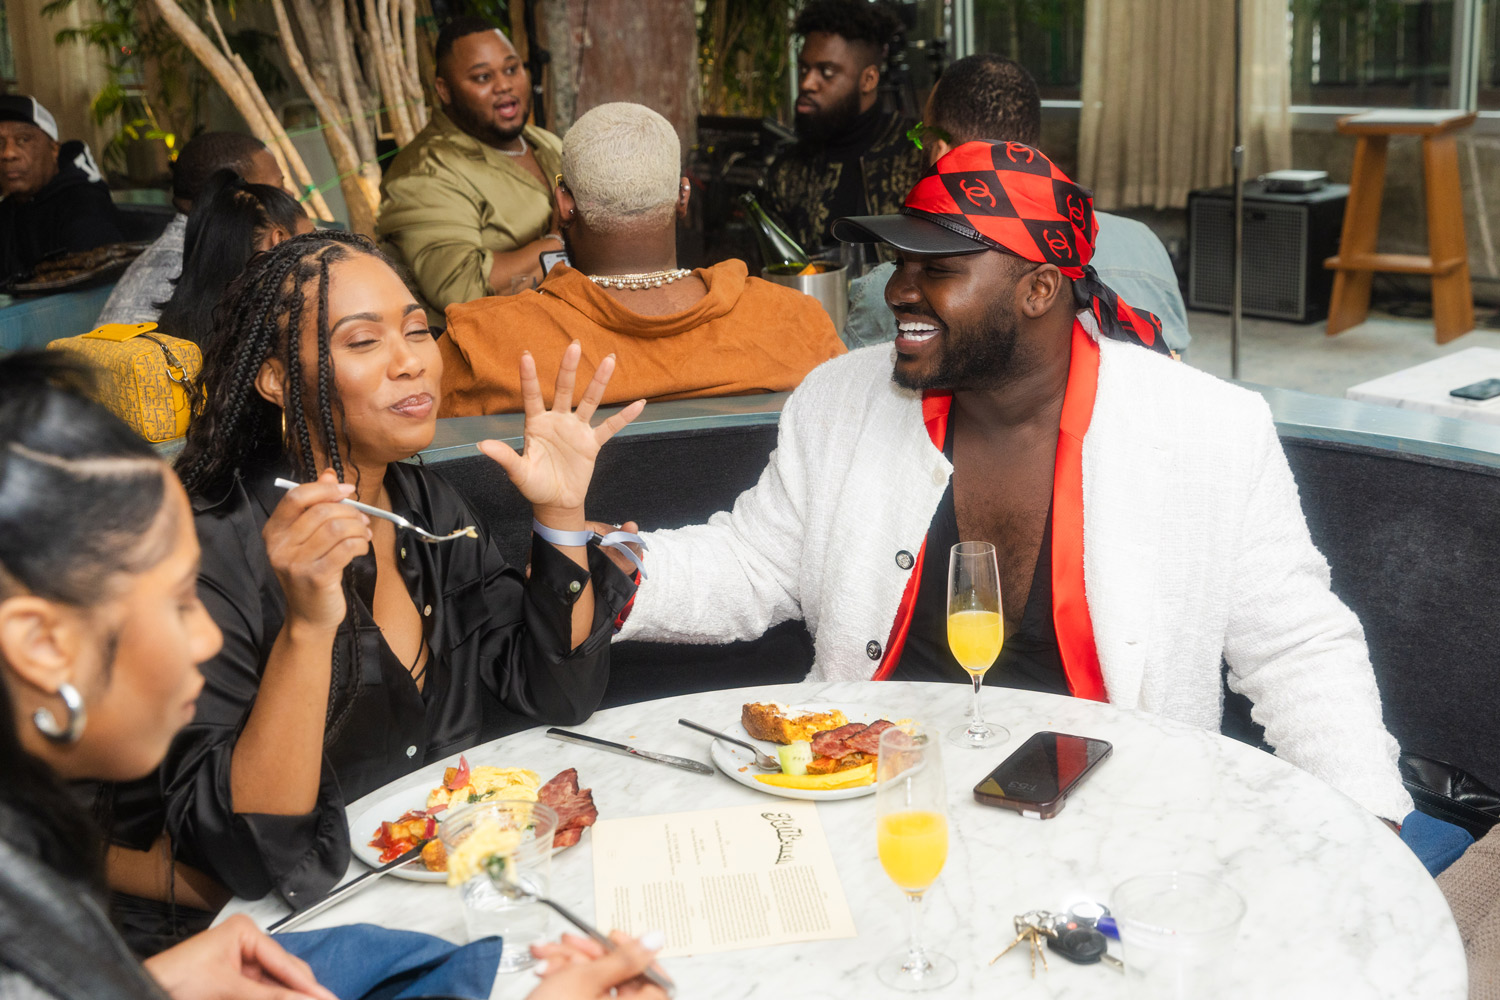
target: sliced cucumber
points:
(795, 757)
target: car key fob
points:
(1078, 943)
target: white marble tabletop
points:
(1338, 906)
(1426, 387)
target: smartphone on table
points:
(1039, 776)
(1488, 389)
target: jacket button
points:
(904, 559)
(427, 611)
(872, 650)
(411, 751)
(939, 477)
(403, 553)
(574, 586)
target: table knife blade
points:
(696, 767)
(350, 887)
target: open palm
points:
(557, 462)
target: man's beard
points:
(977, 359)
(482, 126)
(818, 128)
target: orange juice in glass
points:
(976, 632)
(911, 837)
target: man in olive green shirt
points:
(468, 204)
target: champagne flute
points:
(975, 631)
(911, 836)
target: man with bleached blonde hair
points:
(676, 333)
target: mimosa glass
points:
(976, 631)
(911, 836)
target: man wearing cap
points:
(1145, 519)
(52, 196)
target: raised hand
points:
(557, 462)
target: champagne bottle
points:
(779, 253)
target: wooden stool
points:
(1447, 258)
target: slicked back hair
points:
(83, 504)
(985, 96)
(234, 430)
(207, 154)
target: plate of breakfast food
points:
(826, 751)
(396, 823)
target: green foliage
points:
(743, 58)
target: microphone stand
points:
(1237, 164)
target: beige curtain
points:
(1158, 97)
(64, 78)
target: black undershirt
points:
(1030, 658)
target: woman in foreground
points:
(101, 634)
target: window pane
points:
(1045, 36)
(1372, 53)
(1489, 55)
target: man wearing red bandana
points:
(1145, 518)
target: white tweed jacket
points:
(1195, 549)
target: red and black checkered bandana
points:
(1012, 197)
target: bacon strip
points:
(574, 807)
(867, 740)
(834, 742)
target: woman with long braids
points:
(354, 652)
(101, 636)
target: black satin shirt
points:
(1029, 659)
(499, 643)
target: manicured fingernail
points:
(347, 489)
(653, 940)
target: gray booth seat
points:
(1401, 504)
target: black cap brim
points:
(906, 233)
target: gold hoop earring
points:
(283, 425)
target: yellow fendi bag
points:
(145, 377)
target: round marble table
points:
(1337, 905)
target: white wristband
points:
(620, 540)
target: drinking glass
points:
(1177, 930)
(975, 631)
(911, 836)
(488, 910)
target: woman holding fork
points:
(354, 651)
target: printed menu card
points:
(720, 879)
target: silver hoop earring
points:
(46, 722)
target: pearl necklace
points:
(509, 153)
(639, 282)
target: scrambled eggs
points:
(487, 840)
(488, 783)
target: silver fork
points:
(395, 519)
(501, 880)
(763, 761)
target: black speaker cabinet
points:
(1287, 238)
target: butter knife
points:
(350, 887)
(660, 758)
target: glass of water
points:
(511, 840)
(1177, 930)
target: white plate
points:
(739, 764)
(389, 808)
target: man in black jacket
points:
(52, 197)
(851, 157)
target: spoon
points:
(500, 878)
(762, 760)
(395, 519)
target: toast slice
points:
(767, 721)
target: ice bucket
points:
(830, 288)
